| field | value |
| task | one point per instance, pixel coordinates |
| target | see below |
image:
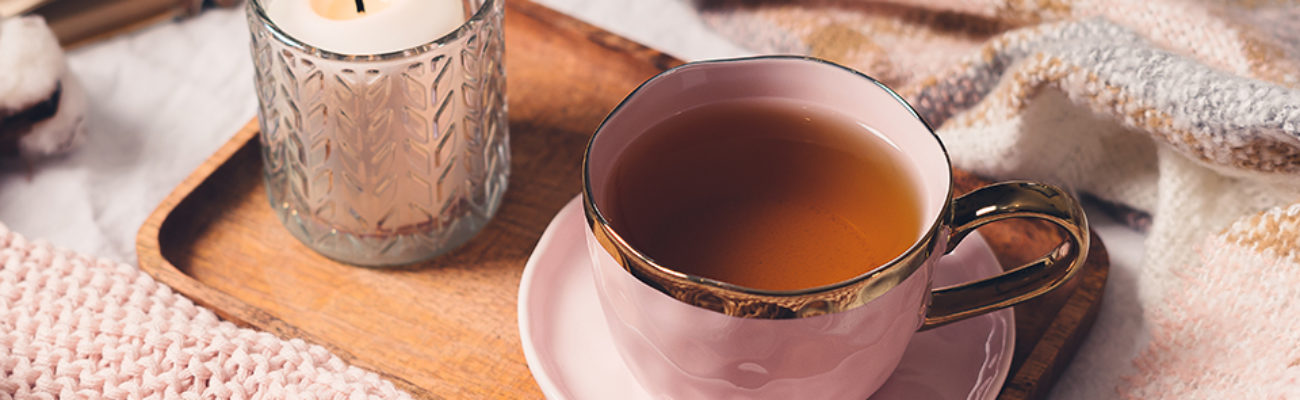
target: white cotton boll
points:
(32, 62)
(34, 71)
(65, 129)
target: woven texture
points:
(1230, 330)
(1184, 111)
(72, 327)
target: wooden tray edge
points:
(147, 247)
(229, 308)
(595, 34)
(1060, 342)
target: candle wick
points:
(361, 6)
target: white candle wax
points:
(385, 26)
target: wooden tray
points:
(447, 328)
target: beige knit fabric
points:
(73, 327)
(1230, 331)
(1187, 110)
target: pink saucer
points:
(572, 356)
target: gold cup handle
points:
(1012, 200)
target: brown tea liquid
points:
(766, 194)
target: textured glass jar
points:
(384, 159)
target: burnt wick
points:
(361, 6)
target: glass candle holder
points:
(384, 159)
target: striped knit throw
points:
(1185, 113)
(73, 327)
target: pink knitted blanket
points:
(1186, 110)
(73, 327)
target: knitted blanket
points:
(72, 327)
(1184, 113)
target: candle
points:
(363, 27)
(381, 161)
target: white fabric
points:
(160, 101)
(163, 99)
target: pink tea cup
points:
(690, 337)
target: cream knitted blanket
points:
(1186, 111)
(72, 327)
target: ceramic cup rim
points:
(934, 229)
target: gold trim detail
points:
(744, 302)
(997, 202)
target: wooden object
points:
(447, 328)
(80, 22)
(10, 8)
